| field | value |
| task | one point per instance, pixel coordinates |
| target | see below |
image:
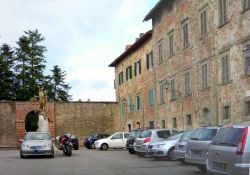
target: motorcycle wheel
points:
(68, 150)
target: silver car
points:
(229, 153)
(148, 136)
(180, 147)
(164, 148)
(36, 143)
(197, 146)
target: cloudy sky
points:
(82, 36)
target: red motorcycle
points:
(63, 143)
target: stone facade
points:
(196, 83)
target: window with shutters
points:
(130, 104)
(189, 120)
(151, 97)
(223, 12)
(163, 124)
(187, 83)
(151, 124)
(160, 53)
(138, 103)
(204, 75)
(129, 73)
(203, 22)
(174, 122)
(150, 60)
(171, 43)
(246, 5)
(226, 112)
(137, 68)
(162, 87)
(122, 109)
(246, 55)
(173, 89)
(225, 69)
(247, 108)
(185, 33)
(120, 78)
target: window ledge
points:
(187, 46)
(173, 99)
(226, 121)
(223, 24)
(245, 75)
(188, 95)
(245, 9)
(205, 89)
(203, 36)
(224, 84)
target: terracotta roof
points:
(132, 48)
(153, 10)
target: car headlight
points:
(159, 145)
(47, 146)
(24, 146)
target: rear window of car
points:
(163, 134)
(186, 135)
(204, 134)
(145, 134)
(228, 136)
(175, 136)
(135, 133)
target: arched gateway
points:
(24, 108)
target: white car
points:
(117, 140)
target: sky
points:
(82, 37)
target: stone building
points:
(195, 67)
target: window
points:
(203, 18)
(151, 124)
(189, 120)
(174, 122)
(185, 33)
(163, 134)
(226, 112)
(222, 12)
(173, 89)
(246, 54)
(150, 60)
(162, 87)
(122, 108)
(225, 69)
(120, 78)
(137, 68)
(163, 123)
(138, 103)
(247, 103)
(160, 53)
(130, 104)
(204, 75)
(187, 89)
(246, 5)
(171, 43)
(117, 136)
(129, 73)
(151, 97)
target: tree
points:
(60, 89)
(30, 64)
(7, 77)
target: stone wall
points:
(84, 118)
(8, 136)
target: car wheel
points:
(104, 146)
(22, 156)
(131, 151)
(171, 154)
(52, 155)
(202, 168)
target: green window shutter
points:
(130, 104)
(135, 69)
(139, 62)
(122, 109)
(138, 103)
(151, 97)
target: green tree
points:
(60, 90)
(7, 77)
(30, 64)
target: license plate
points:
(36, 151)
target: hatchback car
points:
(197, 146)
(164, 148)
(229, 152)
(36, 143)
(117, 140)
(131, 140)
(148, 136)
(180, 147)
(89, 141)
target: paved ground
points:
(91, 162)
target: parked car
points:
(117, 140)
(164, 148)
(131, 140)
(197, 146)
(89, 141)
(74, 141)
(180, 147)
(148, 136)
(229, 152)
(36, 143)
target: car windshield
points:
(204, 134)
(163, 134)
(145, 134)
(228, 136)
(135, 133)
(37, 136)
(175, 136)
(186, 135)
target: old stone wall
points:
(84, 118)
(8, 135)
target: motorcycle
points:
(63, 143)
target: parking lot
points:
(92, 162)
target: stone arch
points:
(23, 108)
(31, 121)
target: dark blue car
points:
(89, 141)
